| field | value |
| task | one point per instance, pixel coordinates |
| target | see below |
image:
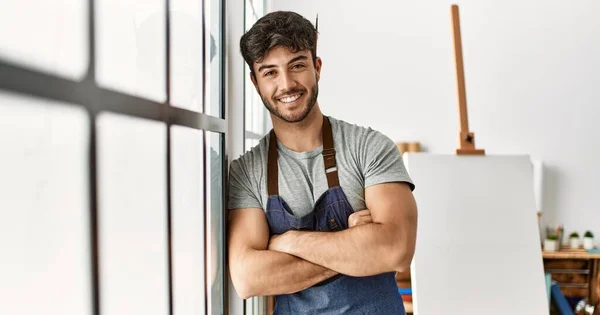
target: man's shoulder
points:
(352, 131)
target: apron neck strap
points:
(272, 169)
(329, 154)
(328, 160)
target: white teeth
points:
(290, 99)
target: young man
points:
(295, 228)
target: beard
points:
(312, 100)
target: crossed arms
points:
(294, 261)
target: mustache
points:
(289, 93)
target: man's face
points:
(288, 83)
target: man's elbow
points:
(402, 262)
(402, 256)
(405, 242)
(241, 277)
(243, 286)
(244, 294)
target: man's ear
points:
(318, 64)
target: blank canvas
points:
(478, 249)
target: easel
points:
(466, 139)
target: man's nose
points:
(288, 82)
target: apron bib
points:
(340, 294)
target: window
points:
(44, 206)
(112, 157)
(130, 51)
(215, 222)
(46, 36)
(187, 79)
(132, 215)
(214, 57)
(188, 249)
(256, 119)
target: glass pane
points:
(187, 219)
(132, 216)
(130, 47)
(51, 36)
(255, 9)
(44, 208)
(214, 178)
(186, 54)
(214, 61)
(256, 115)
(250, 143)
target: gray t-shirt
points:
(365, 157)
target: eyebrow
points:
(301, 57)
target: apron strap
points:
(329, 154)
(329, 161)
(272, 168)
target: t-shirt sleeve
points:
(241, 194)
(382, 161)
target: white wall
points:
(532, 74)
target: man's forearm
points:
(267, 272)
(364, 250)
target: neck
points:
(301, 136)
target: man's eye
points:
(268, 73)
(297, 66)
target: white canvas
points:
(478, 248)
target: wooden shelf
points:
(576, 272)
(570, 254)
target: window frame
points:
(95, 99)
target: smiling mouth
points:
(288, 99)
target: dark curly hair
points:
(281, 28)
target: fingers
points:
(353, 219)
(364, 220)
(359, 218)
(364, 212)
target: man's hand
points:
(359, 218)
